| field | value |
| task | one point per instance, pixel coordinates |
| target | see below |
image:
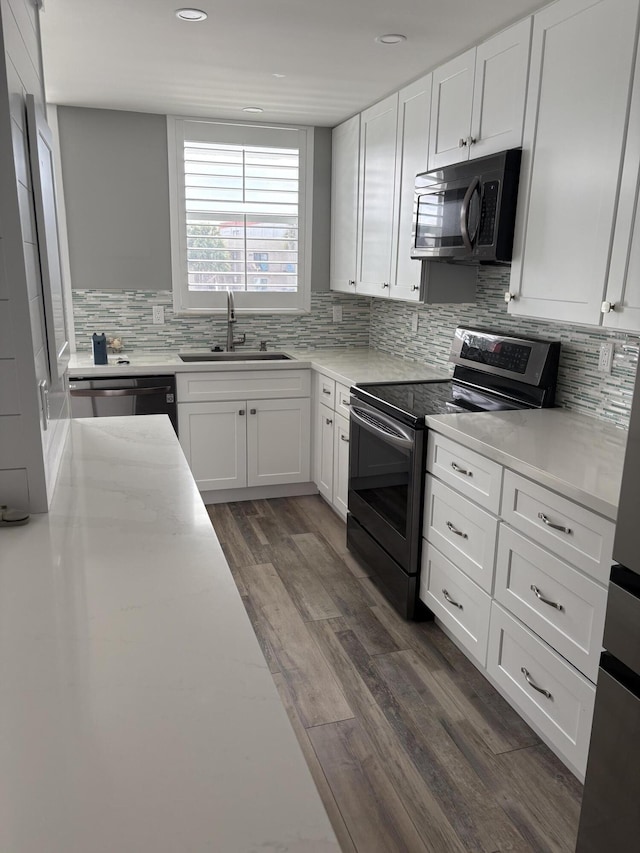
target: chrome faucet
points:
(231, 321)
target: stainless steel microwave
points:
(467, 211)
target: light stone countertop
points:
(578, 456)
(346, 365)
(138, 713)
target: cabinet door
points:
(377, 182)
(341, 465)
(344, 204)
(623, 284)
(581, 62)
(324, 451)
(278, 441)
(412, 153)
(451, 110)
(214, 439)
(500, 90)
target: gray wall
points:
(114, 166)
(116, 187)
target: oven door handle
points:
(381, 426)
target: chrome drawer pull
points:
(460, 470)
(325, 391)
(559, 527)
(451, 601)
(456, 531)
(344, 438)
(532, 683)
(544, 600)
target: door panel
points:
(213, 437)
(278, 445)
(451, 110)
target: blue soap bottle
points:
(99, 343)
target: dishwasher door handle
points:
(119, 392)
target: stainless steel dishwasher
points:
(124, 395)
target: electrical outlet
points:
(605, 358)
(158, 315)
(337, 313)
(414, 322)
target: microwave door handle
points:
(377, 427)
(464, 213)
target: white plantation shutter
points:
(240, 198)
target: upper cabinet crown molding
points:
(573, 145)
(478, 99)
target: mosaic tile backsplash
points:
(127, 314)
(581, 386)
(382, 324)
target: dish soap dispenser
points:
(99, 343)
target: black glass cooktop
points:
(411, 402)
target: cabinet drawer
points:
(573, 619)
(458, 602)
(578, 535)
(342, 399)
(564, 716)
(467, 471)
(463, 532)
(242, 385)
(325, 390)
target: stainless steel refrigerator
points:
(610, 816)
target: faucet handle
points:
(263, 346)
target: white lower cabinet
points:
(214, 439)
(457, 601)
(341, 465)
(331, 441)
(523, 594)
(554, 696)
(260, 438)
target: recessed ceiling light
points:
(192, 15)
(391, 38)
(252, 110)
(279, 75)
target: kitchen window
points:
(240, 215)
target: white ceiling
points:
(136, 55)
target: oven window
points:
(379, 475)
(438, 222)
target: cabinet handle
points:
(324, 391)
(471, 140)
(385, 284)
(352, 283)
(460, 470)
(416, 287)
(328, 421)
(344, 438)
(509, 297)
(241, 412)
(606, 307)
(451, 601)
(462, 142)
(544, 600)
(252, 411)
(559, 527)
(532, 683)
(456, 531)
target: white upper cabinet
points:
(378, 126)
(581, 64)
(621, 309)
(479, 99)
(499, 91)
(412, 151)
(344, 204)
(451, 110)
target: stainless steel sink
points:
(247, 355)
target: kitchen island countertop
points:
(578, 456)
(138, 713)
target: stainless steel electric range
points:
(493, 372)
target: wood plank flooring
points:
(411, 749)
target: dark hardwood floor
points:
(410, 747)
